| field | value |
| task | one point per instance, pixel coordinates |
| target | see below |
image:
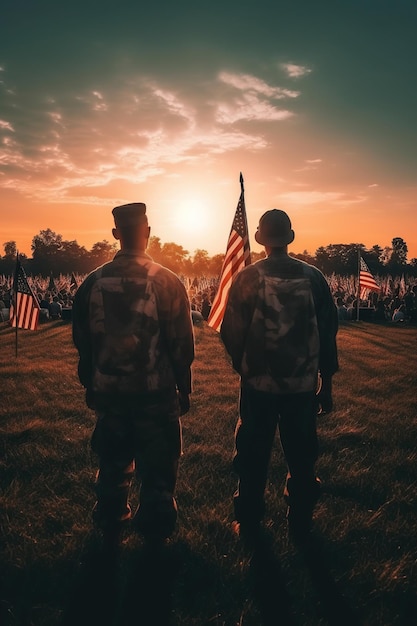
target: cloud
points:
(254, 100)
(246, 82)
(306, 198)
(250, 108)
(295, 71)
(6, 126)
(311, 165)
(67, 145)
(88, 138)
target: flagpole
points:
(359, 285)
(16, 311)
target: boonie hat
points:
(274, 229)
(132, 214)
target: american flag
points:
(236, 258)
(73, 283)
(24, 309)
(366, 281)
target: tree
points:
(215, 265)
(45, 247)
(376, 252)
(399, 251)
(323, 260)
(154, 249)
(397, 262)
(10, 250)
(101, 252)
(8, 262)
(304, 256)
(173, 257)
(71, 258)
(200, 263)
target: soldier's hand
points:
(325, 404)
(89, 398)
(324, 397)
(184, 400)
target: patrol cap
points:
(127, 215)
(274, 229)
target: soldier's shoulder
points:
(251, 270)
(164, 278)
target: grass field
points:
(361, 568)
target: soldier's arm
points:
(177, 329)
(328, 326)
(81, 335)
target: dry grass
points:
(360, 570)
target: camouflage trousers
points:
(261, 414)
(146, 442)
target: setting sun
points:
(191, 215)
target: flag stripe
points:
(236, 258)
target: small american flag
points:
(24, 309)
(366, 281)
(237, 257)
(73, 283)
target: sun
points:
(192, 215)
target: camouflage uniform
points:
(279, 328)
(132, 328)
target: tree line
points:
(51, 254)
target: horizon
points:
(314, 104)
(259, 249)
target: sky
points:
(104, 103)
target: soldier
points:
(279, 327)
(133, 332)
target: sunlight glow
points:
(191, 215)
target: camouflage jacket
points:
(132, 328)
(280, 325)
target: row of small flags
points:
(54, 288)
(25, 308)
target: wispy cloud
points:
(250, 108)
(326, 198)
(248, 83)
(6, 126)
(251, 99)
(295, 71)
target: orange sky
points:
(319, 128)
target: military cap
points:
(132, 214)
(274, 229)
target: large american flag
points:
(24, 309)
(237, 257)
(366, 281)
